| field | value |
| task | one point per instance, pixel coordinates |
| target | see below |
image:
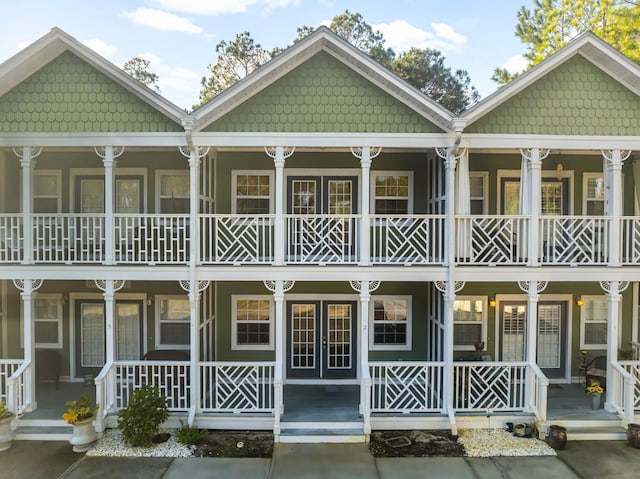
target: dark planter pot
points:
(633, 435)
(160, 438)
(557, 437)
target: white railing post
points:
(613, 162)
(28, 288)
(628, 399)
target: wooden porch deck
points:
(321, 403)
(571, 402)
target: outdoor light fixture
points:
(492, 302)
(580, 301)
(559, 169)
(149, 301)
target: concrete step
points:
(596, 433)
(304, 436)
(44, 433)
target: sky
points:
(179, 37)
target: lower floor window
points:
(593, 319)
(252, 322)
(469, 322)
(391, 323)
(48, 321)
(173, 322)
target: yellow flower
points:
(79, 410)
(71, 416)
(594, 388)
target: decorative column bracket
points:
(539, 286)
(118, 284)
(528, 153)
(442, 286)
(607, 286)
(450, 159)
(357, 286)
(200, 151)
(286, 150)
(101, 151)
(20, 284)
(186, 285)
(271, 285)
(373, 151)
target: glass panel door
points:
(338, 345)
(303, 338)
(514, 328)
(552, 327)
(128, 330)
(90, 336)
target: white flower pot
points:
(6, 434)
(83, 435)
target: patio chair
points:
(596, 370)
(47, 363)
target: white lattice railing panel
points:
(7, 368)
(228, 239)
(11, 238)
(68, 238)
(492, 239)
(170, 377)
(407, 387)
(151, 239)
(322, 239)
(479, 386)
(574, 240)
(407, 239)
(630, 233)
(237, 387)
(633, 368)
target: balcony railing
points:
(316, 239)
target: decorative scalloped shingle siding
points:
(323, 95)
(69, 95)
(577, 98)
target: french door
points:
(552, 335)
(91, 333)
(320, 227)
(321, 340)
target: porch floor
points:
(571, 402)
(51, 401)
(321, 403)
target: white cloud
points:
(401, 35)
(101, 47)
(160, 20)
(173, 81)
(219, 7)
(515, 64)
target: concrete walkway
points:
(51, 460)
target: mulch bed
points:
(414, 444)
(236, 444)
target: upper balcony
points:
(154, 239)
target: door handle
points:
(324, 341)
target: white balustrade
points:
(7, 368)
(408, 239)
(574, 240)
(16, 388)
(105, 394)
(322, 239)
(499, 386)
(406, 387)
(236, 239)
(237, 387)
(632, 369)
(492, 240)
(68, 238)
(170, 377)
(151, 239)
(630, 244)
(11, 238)
(538, 384)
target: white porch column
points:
(27, 289)
(366, 155)
(194, 155)
(110, 312)
(534, 156)
(450, 158)
(614, 159)
(27, 161)
(109, 155)
(279, 155)
(613, 290)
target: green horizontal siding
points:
(323, 95)
(576, 98)
(68, 95)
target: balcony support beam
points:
(612, 169)
(279, 155)
(27, 157)
(614, 290)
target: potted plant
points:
(6, 434)
(80, 414)
(595, 391)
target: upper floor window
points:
(173, 191)
(391, 323)
(593, 194)
(392, 193)
(469, 322)
(252, 193)
(478, 194)
(47, 191)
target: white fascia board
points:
(584, 274)
(92, 139)
(569, 142)
(323, 140)
(93, 272)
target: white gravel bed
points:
(498, 442)
(111, 444)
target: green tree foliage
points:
(236, 59)
(551, 24)
(138, 68)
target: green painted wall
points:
(577, 98)
(225, 290)
(323, 95)
(69, 95)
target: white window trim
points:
(484, 325)
(372, 184)
(58, 175)
(159, 174)
(597, 347)
(390, 347)
(545, 174)
(234, 323)
(58, 320)
(73, 172)
(157, 301)
(485, 189)
(234, 184)
(596, 174)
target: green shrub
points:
(142, 418)
(190, 435)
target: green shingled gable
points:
(576, 98)
(68, 95)
(323, 95)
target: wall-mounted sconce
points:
(65, 299)
(149, 300)
(580, 301)
(559, 169)
(492, 302)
